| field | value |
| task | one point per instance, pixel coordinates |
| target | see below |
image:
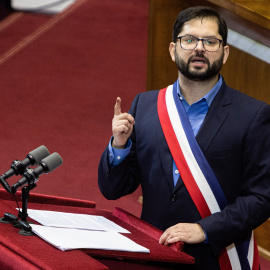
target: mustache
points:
(200, 56)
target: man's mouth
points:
(199, 60)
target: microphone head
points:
(38, 154)
(51, 162)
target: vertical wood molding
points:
(262, 235)
(161, 71)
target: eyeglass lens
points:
(190, 43)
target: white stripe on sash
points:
(251, 250)
(233, 256)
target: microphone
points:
(33, 158)
(19, 167)
(31, 176)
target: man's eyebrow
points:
(211, 37)
(189, 35)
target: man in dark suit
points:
(231, 129)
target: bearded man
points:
(199, 150)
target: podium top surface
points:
(40, 254)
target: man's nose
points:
(200, 46)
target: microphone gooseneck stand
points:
(22, 224)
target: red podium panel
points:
(31, 252)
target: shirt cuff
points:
(116, 156)
(206, 237)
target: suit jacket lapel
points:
(165, 155)
(215, 118)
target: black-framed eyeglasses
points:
(190, 43)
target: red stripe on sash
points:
(224, 261)
(256, 260)
(179, 158)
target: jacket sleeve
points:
(120, 180)
(252, 206)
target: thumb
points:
(117, 106)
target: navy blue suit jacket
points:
(235, 139)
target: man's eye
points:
(208, 42)
(211, 42)
(190, 40)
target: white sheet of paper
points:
(66, 239)
(76, 221)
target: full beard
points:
(197, 74)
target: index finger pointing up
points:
(117, 106)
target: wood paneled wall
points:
(248, 74)
(242, 71)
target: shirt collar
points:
(209, 96)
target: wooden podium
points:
(31, 252)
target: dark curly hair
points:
(199, 12)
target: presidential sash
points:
(198, 176)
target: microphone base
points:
(26, 229)
(26, 233)
(8, 218)
(3, 220)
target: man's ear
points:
(172, 50)
(226, 53)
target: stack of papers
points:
(74, 231)
(75, 221)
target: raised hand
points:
(122, 126)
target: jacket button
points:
(173, 198)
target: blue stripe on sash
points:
(243, 260)
(199, 156)
(242, 250)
